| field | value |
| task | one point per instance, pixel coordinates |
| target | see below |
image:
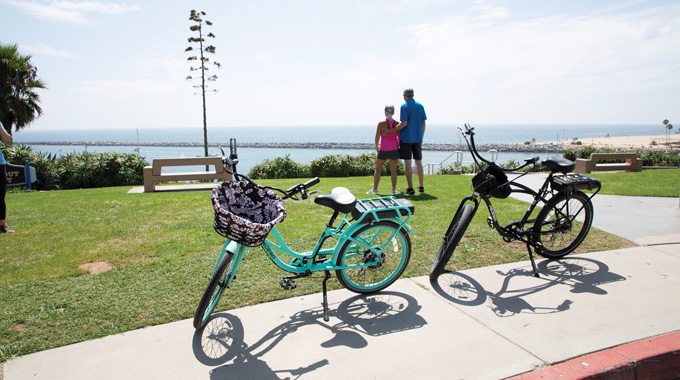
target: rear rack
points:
(574, 182)
(377, 209)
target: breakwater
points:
(542, 148)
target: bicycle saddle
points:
(340, 199)
(559, 164)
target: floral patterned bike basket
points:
(245, 213)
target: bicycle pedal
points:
(288, 284)
(490, 222)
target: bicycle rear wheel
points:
(219, 281)
(562, 224)
(454, 233)
(390, 253)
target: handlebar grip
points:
(311, 182)
(301, 188)
(232, 148)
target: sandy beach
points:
(622, 142)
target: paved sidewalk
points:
(484, 323)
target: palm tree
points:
(19, 103)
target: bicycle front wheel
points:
(219, 282)
(454, 233)
(562, 224)
(385, 245)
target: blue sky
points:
(121, 63)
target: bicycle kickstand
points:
(533, 262)
(325, 297)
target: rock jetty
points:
(317, 145)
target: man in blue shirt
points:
(411, 131)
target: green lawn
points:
(162, 247)
(647, 183)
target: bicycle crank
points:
(288, 282)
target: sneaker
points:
(421, 190)
(4, 229)
(409, 191)
(372, 192)
(394, 192)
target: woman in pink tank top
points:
(387, 148)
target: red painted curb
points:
(653, 358)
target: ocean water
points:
(80, 140)
(485, 134)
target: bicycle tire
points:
(557, 234)
(454, 233)
(392, 264)
(218, 283)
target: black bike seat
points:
(559, 164)
(340, 199)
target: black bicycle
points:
(560, 226)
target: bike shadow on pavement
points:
(583, 275)
(221, 342)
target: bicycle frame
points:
(517, 232)
(317, 259)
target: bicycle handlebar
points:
(300, 188)
(232, 160)
(468, 130)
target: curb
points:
(652, 358)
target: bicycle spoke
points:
(377, 261)
(562, 224)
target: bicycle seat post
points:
(333, 217)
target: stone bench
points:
(154, 173)
(631, 164)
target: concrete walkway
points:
(484, 323)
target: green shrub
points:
(331, 166)
(586, 151)
(655, 158)
(280, 167)
(80, 170)
(44, 164)
(570, 154)
(87, 170)
(510, 164)
(344, 165)
(335, 165)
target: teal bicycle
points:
(373, 245)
